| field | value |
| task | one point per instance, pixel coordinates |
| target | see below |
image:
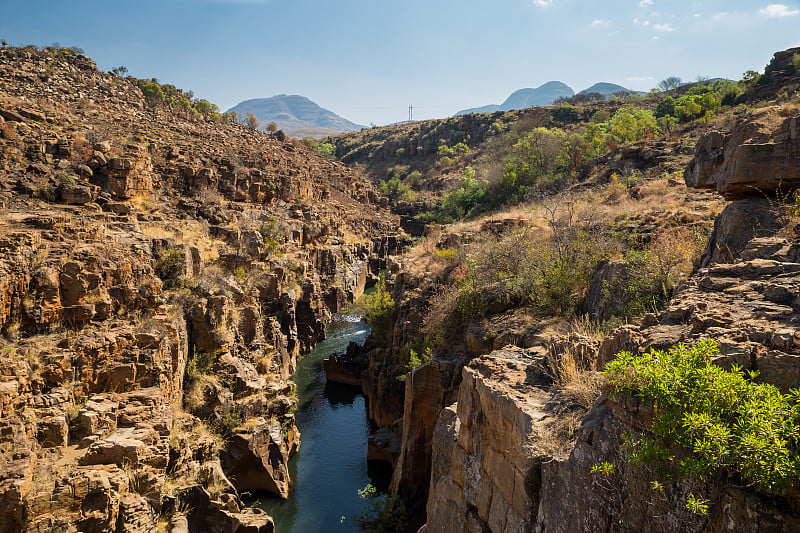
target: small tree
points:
(153, 95)
(668, 84)
(272, 127)
(205, 107)
(252, 121)
(665, 107)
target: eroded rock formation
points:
(159, 275)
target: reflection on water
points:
(332, 462)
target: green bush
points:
(271, 234)
(725, 422)
(395, 189)
(416, 359)
(385, 513)
(170, 266)
(378, 309)
(201, 364)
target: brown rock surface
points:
(159, 275)
(760, 156)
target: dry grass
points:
(573, 377)
(192, 430)
(584, 326)
(559, 434)
(193, 396)
(145, 203)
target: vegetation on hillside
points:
(709, 422)
(466, 166)
(547, 264)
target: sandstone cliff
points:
(159, 275)
(498, 463)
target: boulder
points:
(760, 157)
(258, 460)
(74, 194)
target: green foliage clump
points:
(630, 124)
(398, 191)
(239, 273)
(153, 94)
(796, 62)
(204, 107)
(232, 420)
(416, 359)
(170, 266)
(446, 255)
(271, 234)
(385, 513)
(324, 149)
(710, 422)
(200, 364)
(665, 107)
(446, 161)
(378, 309)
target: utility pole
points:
(410, 113)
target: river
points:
(331, 465)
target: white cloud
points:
(645, 3)
(544, 3)
(696, 15)
(778, 11)
(600, 22)
(663, 27)
(720, 15)
(641, 22)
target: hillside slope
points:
(159, 275)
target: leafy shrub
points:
(446, 255)
(171, 267)
(630, 124)
(232, 420)
(665, 107)
(416, 359)
(414, 177)
(444, 150)
(460, 148)
(378, 309)
(386, 513)
(271, 234)
(395, 189)
(724, 421)
(200, 364)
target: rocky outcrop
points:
(506, 457)
(750, 308)
(488, 447)
(761, 156)
(258, 459)
(155, 292)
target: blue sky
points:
(367, 60)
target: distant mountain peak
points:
(605, 88)
(543, 95)
(296, 115)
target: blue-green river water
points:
(331, 465)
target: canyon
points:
(161, 271)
